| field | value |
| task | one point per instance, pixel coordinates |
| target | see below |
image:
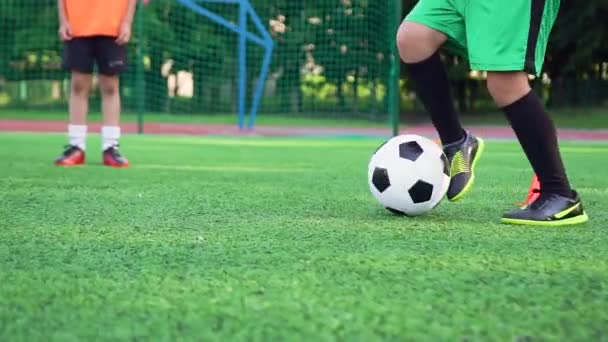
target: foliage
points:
(345, 43)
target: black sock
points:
(538, 137)
(433, 88)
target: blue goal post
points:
(262, 38)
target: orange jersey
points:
(95, 17)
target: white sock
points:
(110, 136)
(78, 135)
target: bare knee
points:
(417, 42)
(81, 85)
(109, 85)
(507, 87)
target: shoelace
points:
(69, 149)
(541, 201)
(114, 151)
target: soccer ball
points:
(409, 175)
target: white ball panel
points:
(404, 173)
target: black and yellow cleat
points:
(550, 210)
(463, 157)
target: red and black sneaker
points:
(113, 158)
(72, 156)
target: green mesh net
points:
(332, 59)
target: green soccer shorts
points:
(495, 35)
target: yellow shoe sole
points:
(467, 188)
(560, 223)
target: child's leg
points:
(422, 33)
(534, 128)
(77, 58)
(110, 132)
(418, 45)
(79, 108)
(508, 39)
(111, 62)
(557, 203)
(110, 106)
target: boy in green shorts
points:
(508, 40)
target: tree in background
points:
(341, 36)
(577, 58)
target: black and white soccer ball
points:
(409, 175)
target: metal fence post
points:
(140, 81)
(395, 60)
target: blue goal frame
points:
(262, 38)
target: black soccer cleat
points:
(463, 158)
(549, 210)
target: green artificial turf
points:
(278, 239)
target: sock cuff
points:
(434, 58)
(76, 129)
(110, 136)
(523, 101)
(110, 131)
(77, 135)
(465, 135)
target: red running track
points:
(277, 131)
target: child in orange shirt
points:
(95, 32)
